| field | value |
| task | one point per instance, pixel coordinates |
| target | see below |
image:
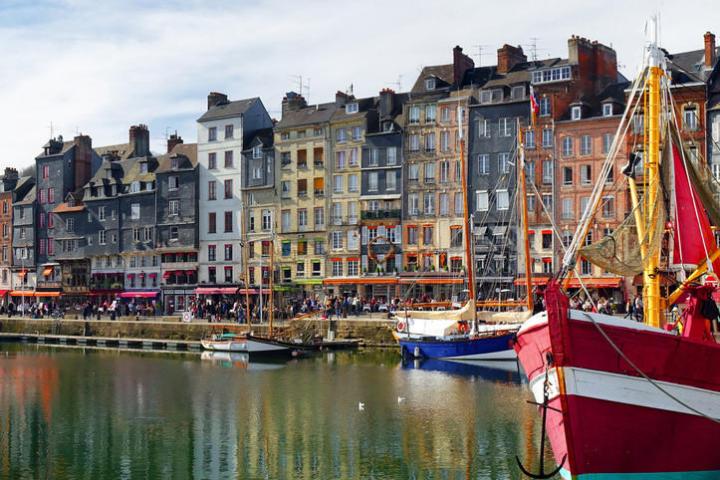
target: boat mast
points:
(466, 218)
(245, 259)
(524, 215)
(651, 279)
(271, 270)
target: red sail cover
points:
(693, 235)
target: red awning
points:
(595, 282)
(138, 294)
(216, 291)
(153, 275)
(3, 292)
(167, 274)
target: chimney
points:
(509, 56)
(140, 140)
(710, 57)
(216, 98)
(387, 102)
(10, 179)
(173, 141)
(342, 98)
(461, 64)
(293, 101)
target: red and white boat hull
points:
(605, 418)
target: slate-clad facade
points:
(24, 275)
(9, 182)
(177, 223)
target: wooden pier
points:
(107, 342)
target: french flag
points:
(534, 105)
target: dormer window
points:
(607, 110)
(576, 113)
(143, 167)
(174, 163)
(71, 202)
(351, 107)
(134, 187)
(387, 126)
(257, 151)
(430, 83)
(517, 92)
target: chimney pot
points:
(710, 57)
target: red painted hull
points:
(610, 420)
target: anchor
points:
(545, 407)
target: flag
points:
(534, 105)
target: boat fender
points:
(400, 326)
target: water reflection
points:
(492, 371)
(105, 414)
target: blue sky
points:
(98, 67)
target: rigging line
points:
(584, 222)
(694, 200)
(643, 374)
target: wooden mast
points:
(524, 214)
(271, 270)
(245, 259)
(466, 217)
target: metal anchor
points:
(545, 406)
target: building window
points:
(212, 277)
(228, 222)
(607, 142)
(135, 211)
(212, 253)
(444, 204)
(638, 123)
(148, 234)
(46, 172)
(429, 203)
(567, 146)
(174, 234)
(212, 134)
(212, 161)
(690, 118)
(228, 252)
(576, 113)
(482, 200)
(567, 176)
(212, 190)
(545, 109)
(430, 83)
(429, 142)
(586, 174)
(229, 161)
(608, 207)
(302, 218)
(351, 107)
(504, 159)
(136, 234)
(229, 132)
(266, 220)
(556, 74)
(547, 202)
(51, 195)
(212, 222)
(502, 199)
(530, 139)
(547, 173)
(547, 138)
(505, 126)
(607, 110)
(430, 111)
(414, 114)
(483, 164)
(427, 235)
(228, 184)
(173, 182)
(585, 145)
(414, 141)
(567, 208)
(174, 207)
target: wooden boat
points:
(231, 342)
(621, 399)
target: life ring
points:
(371, 250)
(400, 326)
(462, 327)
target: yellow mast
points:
(651, 279)
(524, 213)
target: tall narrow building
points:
(222, 132)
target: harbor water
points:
(72, 413)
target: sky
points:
(99, 66)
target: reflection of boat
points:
(237, 360)
(619, 398)
(231, 342)
(492, 371)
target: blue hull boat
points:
(495, 347)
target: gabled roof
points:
(187, 152)
(66, 146)
(312, 114)
(444, 73)
(134, 171)
(122, 150)
(262, 137)
(29, 197)
(232, 109)
(689, 67)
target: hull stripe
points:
(704, 475)
(629, 390)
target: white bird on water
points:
(361, 406)
(401, 399)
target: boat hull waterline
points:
(605, 419)
(244, 345)
(497, 347)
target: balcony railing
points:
(379, 214)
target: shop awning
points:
(47, 271)
(47, 294)
(595, 282)
(3, 292)
(361, 281)
(432, 281)
(139, 294)
(309, 281)
(253, 291)
(216, 290)
(22, 293)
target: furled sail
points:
(693, 238)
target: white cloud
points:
(102, 66)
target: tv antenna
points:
(397, 83)
(303, 86)
(52, 129)
(480, 49)
(533, 45)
